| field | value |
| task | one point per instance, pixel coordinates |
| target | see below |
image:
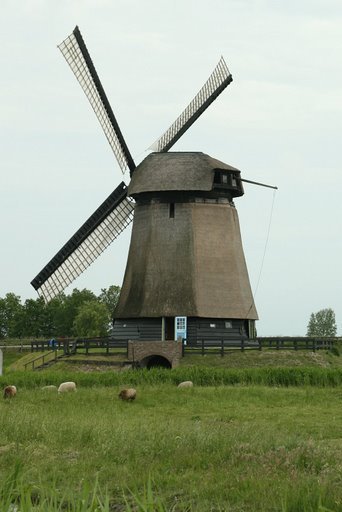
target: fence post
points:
(222, 348)
(202, 347)
(107, 348)
(277, 344)
(295, 344)
(314, 345)
(260, 344)
(87, 346)
(242, 344)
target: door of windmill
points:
(169, 328)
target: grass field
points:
(260, 431)
(203, 449)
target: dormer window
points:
(221, 178)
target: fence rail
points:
(41, 360)
(109, 345)
(222, 346)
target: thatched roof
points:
(176, 171)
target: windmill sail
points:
(216, 83)
(96, 234)
(77, 56)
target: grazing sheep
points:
(186, 384)
(128, 394)
(10, 391)
(49, 388)
(65, 387)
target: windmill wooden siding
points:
(186, 256)
(198, 330)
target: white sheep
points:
(66, 387)
(128, 394)
(10, 391)
(186, 384)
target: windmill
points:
(186, 272)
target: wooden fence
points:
(261, 343)
(108, 345)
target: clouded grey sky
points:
(279, 122)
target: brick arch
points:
(155, 360)
(142, 351)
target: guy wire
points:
(264, 254)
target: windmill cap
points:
(176, 171)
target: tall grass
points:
(201, 376)
(200, 449)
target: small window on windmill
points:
(224, 179)
(172, 210)
(228, 325)
(213, 326)
(234, 184)
(217, 177)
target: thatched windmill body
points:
(186, 272)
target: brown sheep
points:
(10, 391)
(128, 394)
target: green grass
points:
(217, 448)
(265, 357)
(232, 359)
(230, 443)
(320, 377)
(11, 358)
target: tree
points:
(109, 297)
(70, 308)
(92, 320)
(33, 320)
(10, 311)
(322, 323)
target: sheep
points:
(10, 391)
(128, 394)
(65, 387)
(49, 388)
(185, 384)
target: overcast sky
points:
(279, 122)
